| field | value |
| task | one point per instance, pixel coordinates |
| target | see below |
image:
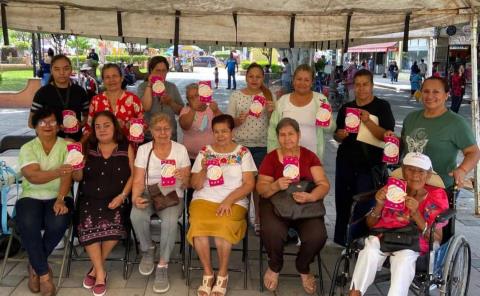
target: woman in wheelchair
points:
(423, 203)
(274, 228)
(45, 202)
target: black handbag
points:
(397, 239)
(286, 207)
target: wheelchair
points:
(447, 269)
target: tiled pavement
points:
(15, 283)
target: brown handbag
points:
(159, 200)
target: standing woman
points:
(170, 103)
(61, 94)
(123, 104)
(45, 202)
(302, 105)
(104, 185)
(440, 134)
(251, 131)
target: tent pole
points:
(474, 106)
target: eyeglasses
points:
(164, 130)
(43, 123)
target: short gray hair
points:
(190, 87)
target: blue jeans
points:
(33, 215)
(230, 76)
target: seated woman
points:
(148, 171)
(423, 203)
(222, 175)
(274, 229)
(45, 203)
(104, 184)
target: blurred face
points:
(222, 133)
(161, 70)
(161, 131)
(433, 95)
(104, 129)
(194, 100)
(363, 88)
(112, 79)
(47, 127)
(61, 71)
(415, 177)
(302, 82)
(288, 137)
(254, 78)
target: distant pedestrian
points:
(45, 67)
(393, 71)
(423, 68)
(457, 85)
(286, 77)
(215, 73)
(414, 68)
(415, 83)
(232, 67)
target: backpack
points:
(9, 186)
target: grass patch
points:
(14, 80)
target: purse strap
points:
(148, 164)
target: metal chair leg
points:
(320, 275)
(245, 261)
(189, 264)
(66, 244)
(70, 256)
(7, 253)
(260, 268)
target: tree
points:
(267, 52)
(59, 41)
(80, 44)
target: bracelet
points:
(123, 195)
(460, 168)
(372, 213)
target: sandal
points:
(270, 280)
(220, 287)
(309, 284)
(206, 288)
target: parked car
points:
(205, 62)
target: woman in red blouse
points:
(125, 105)
(274, 229)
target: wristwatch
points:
(61, 198)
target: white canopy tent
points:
(271, 23)
(268, 23)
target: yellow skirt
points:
(204, 222)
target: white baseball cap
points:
(418, 160)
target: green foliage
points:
(274, 67)
(79, 43)
(223, 55)
(15, 80)
(22, 45)
(126, 58)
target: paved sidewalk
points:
(15, 283)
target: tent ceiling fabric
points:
(260, 22)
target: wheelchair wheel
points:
(456, 272)
(342, 276)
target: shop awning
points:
(377, 47)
